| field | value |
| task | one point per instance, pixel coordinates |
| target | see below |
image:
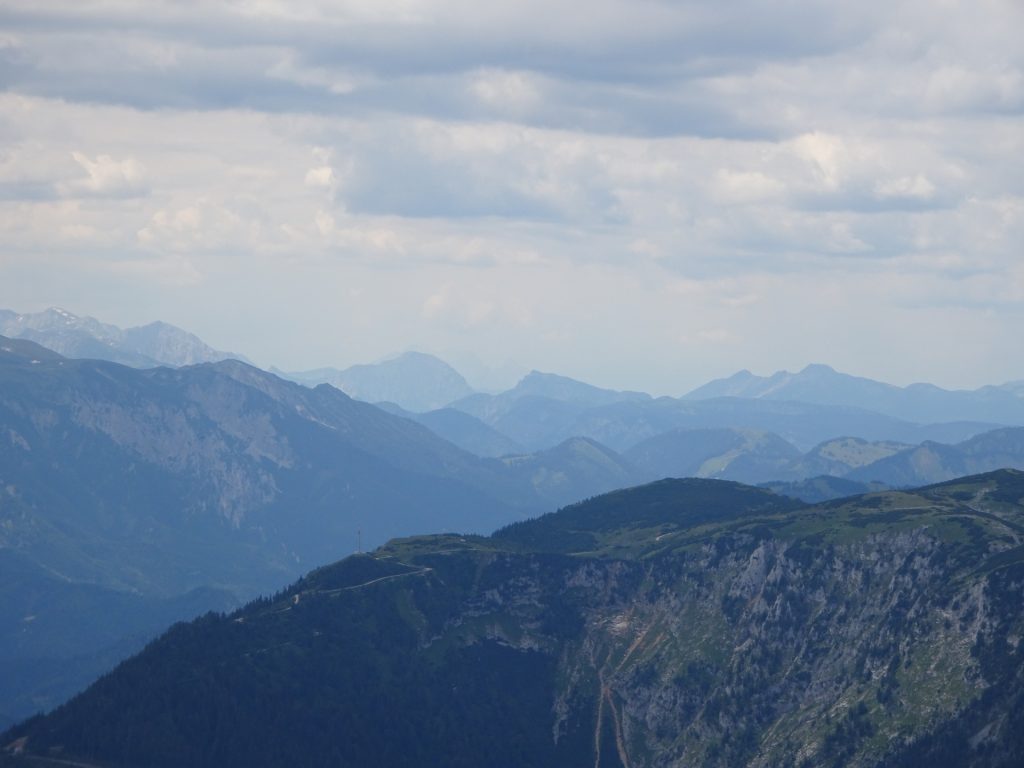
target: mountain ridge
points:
(691, 620)
(146, 346)
(919, 402)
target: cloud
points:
(105, 176)
(917, 187)
(321, 176)
(745, 187)
(571, 185)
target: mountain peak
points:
(556, 387)
(817, 368)
(79, 336)
(62, 313)
(415, 381)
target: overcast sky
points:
(641, 194)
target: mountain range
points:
(920, 403)
(544, 409)
(124, 484)
(144, 346)
(685, 622)
(133, 496)
(751, 456)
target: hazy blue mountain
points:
(536, 411)
(692, 622)
(465, 431)
(555, 387)
(215, 459)
(729, 454)
(623, 425)
(921, 403)
(170, 345)
(841, 455)
(765, 458)
(544, 410)
(415, 381)
(145, 346)
(1016, 388)
(536, 422)
(933, 462)
(573, 470)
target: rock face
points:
(681, 623)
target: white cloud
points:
(104, 176)
(917, 187)
(322, 176)
(745, 187)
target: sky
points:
(642, 194)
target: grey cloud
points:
(631, 74)
(399, 181)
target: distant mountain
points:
(920, 403)
(170, 345)
(728, 454)
(625, 424)
(839, 467)
(1016, 388)
(145, 346)
(841, 455)
(933, 462)
(574, 470)
(564, 389)
(544, 410)
(685, 622)
(209, 460)
(415, 381)
(540, 406)
(465, 431)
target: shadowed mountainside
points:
(682, 622)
